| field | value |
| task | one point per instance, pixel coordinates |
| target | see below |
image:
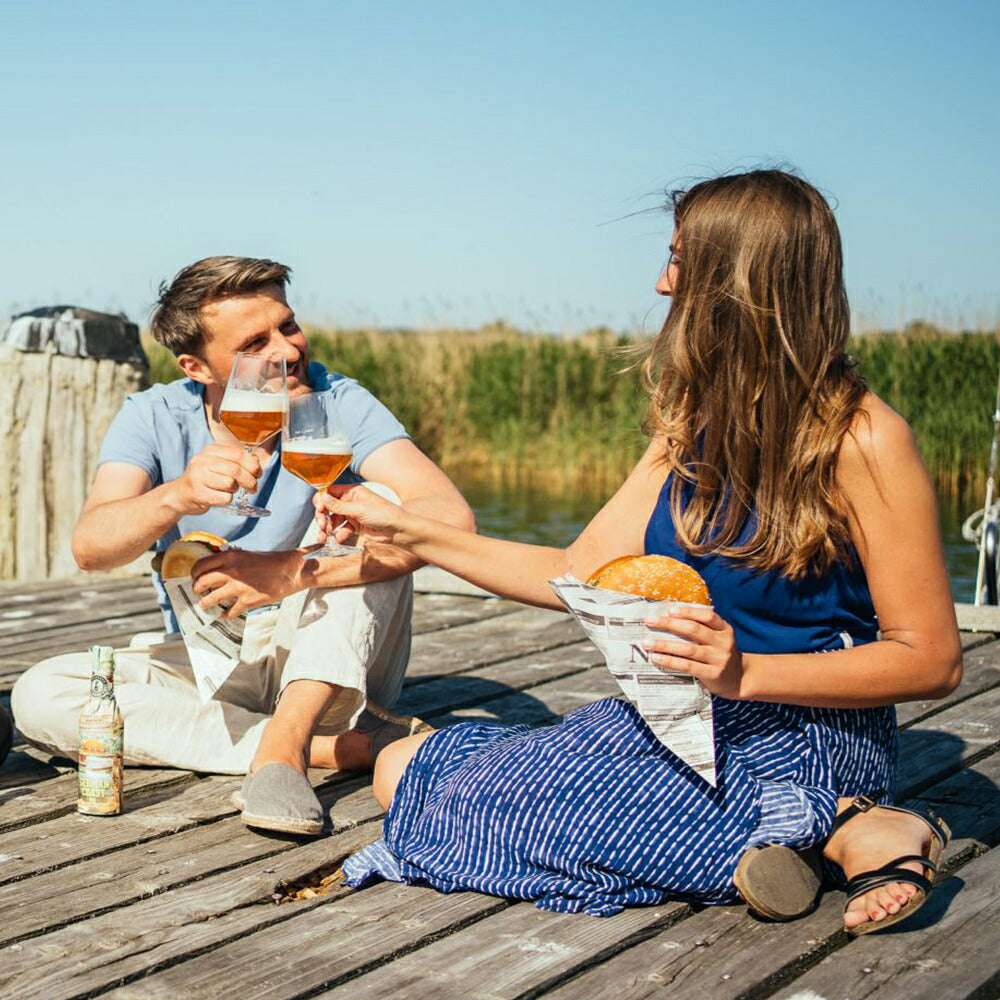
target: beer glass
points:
(315, 447)
(253, 408)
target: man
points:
(330, 636)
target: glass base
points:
(245, 510)
(332, 549)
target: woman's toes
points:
(857, 912)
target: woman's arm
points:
(894, 525)
(511, 569)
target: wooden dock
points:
(177, 899)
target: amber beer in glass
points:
(315, 447)
(317, 462)
(253, 408)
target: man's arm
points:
(245, 580)
(124, 514)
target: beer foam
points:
(318, 446)
(248, 401)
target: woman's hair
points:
(749, 381)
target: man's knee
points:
(48, 691)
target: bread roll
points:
(180, 556)
(659, 578)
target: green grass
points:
(497, 399)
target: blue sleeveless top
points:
(770, 613)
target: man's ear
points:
(195, 368)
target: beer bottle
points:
(101, 732)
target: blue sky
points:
(430, 163)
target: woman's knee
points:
(390, 765)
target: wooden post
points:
(57, 396)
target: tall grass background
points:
(500, 402)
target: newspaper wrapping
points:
(675, 706)
(213, 643)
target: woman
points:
(801, 499)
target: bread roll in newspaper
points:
(660, 578)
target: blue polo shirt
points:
(161, 429)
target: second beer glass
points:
(315, 447)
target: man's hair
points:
(176, 321)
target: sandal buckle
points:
(863, 803)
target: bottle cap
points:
(102, 659)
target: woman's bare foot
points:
(870, 840)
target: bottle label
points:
(101, 687)
(100, 784)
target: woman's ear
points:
(195, 369)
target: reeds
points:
(496, 401)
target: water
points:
(544, 515)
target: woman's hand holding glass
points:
(700, 644)
(356, 509)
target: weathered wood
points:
(949, 949)
(946, 742)
(210, 930)
(116, 879)
(718, 954)
(328, 943)
(981, 672)
(444, 694)
(53, 844)
(56, 412)
(982, 618)
(114, 947)
(545, 702)
(33, 803)
(432, 612)
(514, 953)
(530, 630)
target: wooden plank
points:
(53, 844)
(981, 672)
(109, 881)
(541, 704)
(432, 612)
(516, 952)
(718, 954)
(981, 618)
(527, 631)
(948, 950)
(330, 942)
(33, 803)
(444, 694)
(14, 593)
(22, 622)
(83, 958)
(947, 742)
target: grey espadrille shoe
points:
(277, 797)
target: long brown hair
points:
(749, 381)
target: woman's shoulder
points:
(878, 444)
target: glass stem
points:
(242, 498)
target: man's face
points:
(261, 323)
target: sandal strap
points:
(896, 865)
(862, 803)
(867, 881)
